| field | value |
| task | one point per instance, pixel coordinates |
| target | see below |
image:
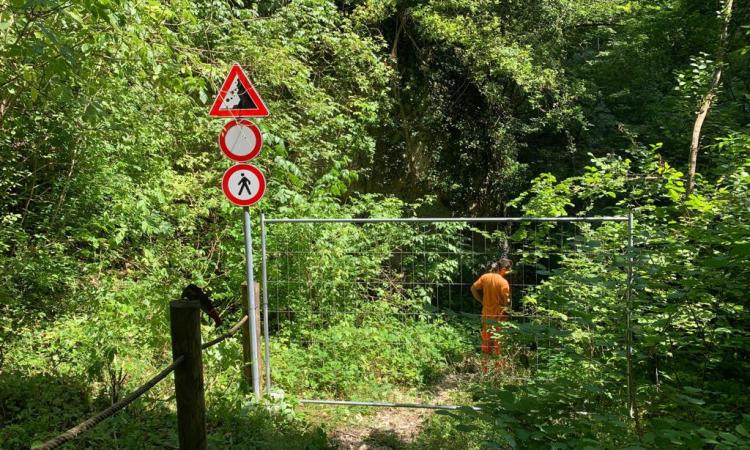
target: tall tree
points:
(710, 95)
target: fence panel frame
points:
(627, 219)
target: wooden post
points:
(188, 376)
(248, 360)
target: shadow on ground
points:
(385, 440)
(36, 408)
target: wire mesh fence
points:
(401, 275)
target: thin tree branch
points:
(708, 99)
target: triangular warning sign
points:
(238, 97)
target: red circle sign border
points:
(252, 200)
(258, 140)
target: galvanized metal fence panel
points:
(317, 273)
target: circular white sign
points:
(240, 140)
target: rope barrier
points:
(93, 421)
(231, 332)
(109, 412)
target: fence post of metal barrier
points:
(249, 360)
(632, 407)
(185, 327)
(264, 274)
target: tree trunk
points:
(709, 97)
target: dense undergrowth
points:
(690, 321)
(370, 360)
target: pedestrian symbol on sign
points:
(243, 184)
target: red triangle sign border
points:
(259, 111)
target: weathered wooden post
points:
(188, 377)
(248, 360)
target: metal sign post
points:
(251, 308)
(243, 184)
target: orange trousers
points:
(490, 329)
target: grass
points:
(420, 362)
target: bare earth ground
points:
(399, 428)
(392, 428)
(389, 428)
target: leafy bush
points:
(690, 321)
(367, 360)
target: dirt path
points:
(390, 428)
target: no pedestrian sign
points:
(243, 184)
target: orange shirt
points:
(495, 294)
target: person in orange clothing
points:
(493, 292)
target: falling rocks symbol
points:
(237, 97)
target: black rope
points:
(109, 412)
(95, 420)
(232, 331)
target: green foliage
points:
(482, 96)
(38, 407)
(110, 204)
(367, 360)
(109, 169)
(691, 317)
